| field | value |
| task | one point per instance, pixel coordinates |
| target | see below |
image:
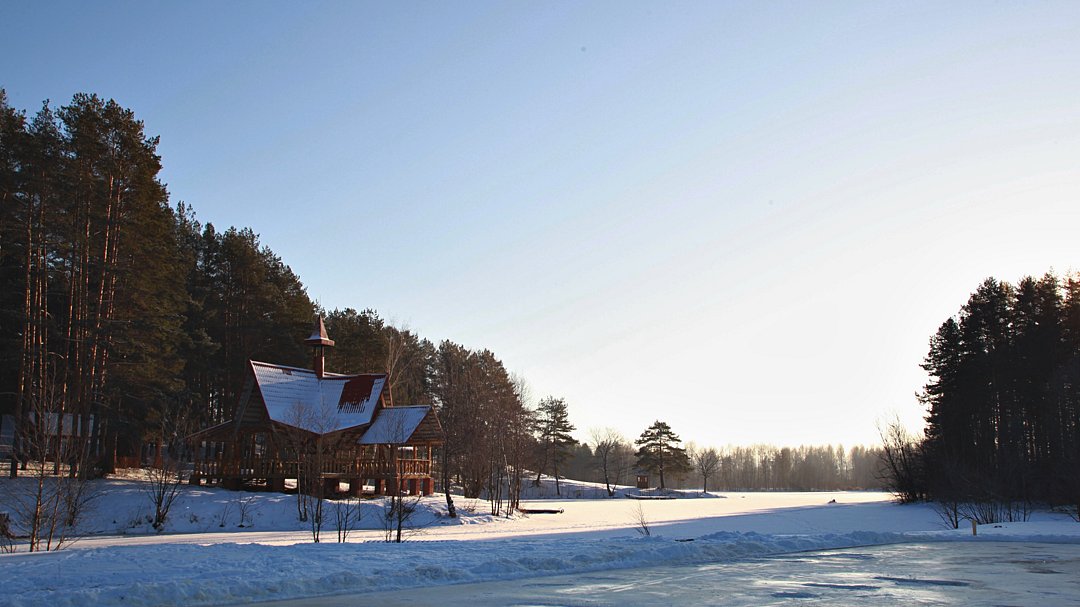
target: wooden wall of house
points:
(253, 412)
(429, 430)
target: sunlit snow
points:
(205, 558)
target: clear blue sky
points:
(745, 219)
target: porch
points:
(363, 475)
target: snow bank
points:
(238, 573)
(120, 506)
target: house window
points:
(260, 445)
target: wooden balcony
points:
(264, 468)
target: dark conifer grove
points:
(1003, 400)
(120, 312)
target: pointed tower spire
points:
(318, 341)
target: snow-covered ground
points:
(205, 558)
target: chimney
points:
(318, 341)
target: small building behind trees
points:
(319, 429)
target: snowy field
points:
(205, 558)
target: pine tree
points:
(255, 307)
(553, 430)
(660, 451)
(361, 347)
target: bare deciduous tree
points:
(519, 421)
(7, 536)
(398, 514)
(47, 506)
(162, 487)
(397, 360)
(486, 425)
(706, 462)
(312, 437)
(165, 477)
(902, 462)
(398, 517)
(347, 513)
(246, 507)
(639, 520)
(610, 449)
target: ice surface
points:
(945, 573)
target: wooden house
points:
(316, 427)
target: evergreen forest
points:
(1003, 405)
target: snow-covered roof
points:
(299, 398)
(394, 425)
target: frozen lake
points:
(747, 549)
(953, 573)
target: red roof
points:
(357, 391)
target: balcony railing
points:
(272, 468)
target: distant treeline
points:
(757, 468)
(1003, 401)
